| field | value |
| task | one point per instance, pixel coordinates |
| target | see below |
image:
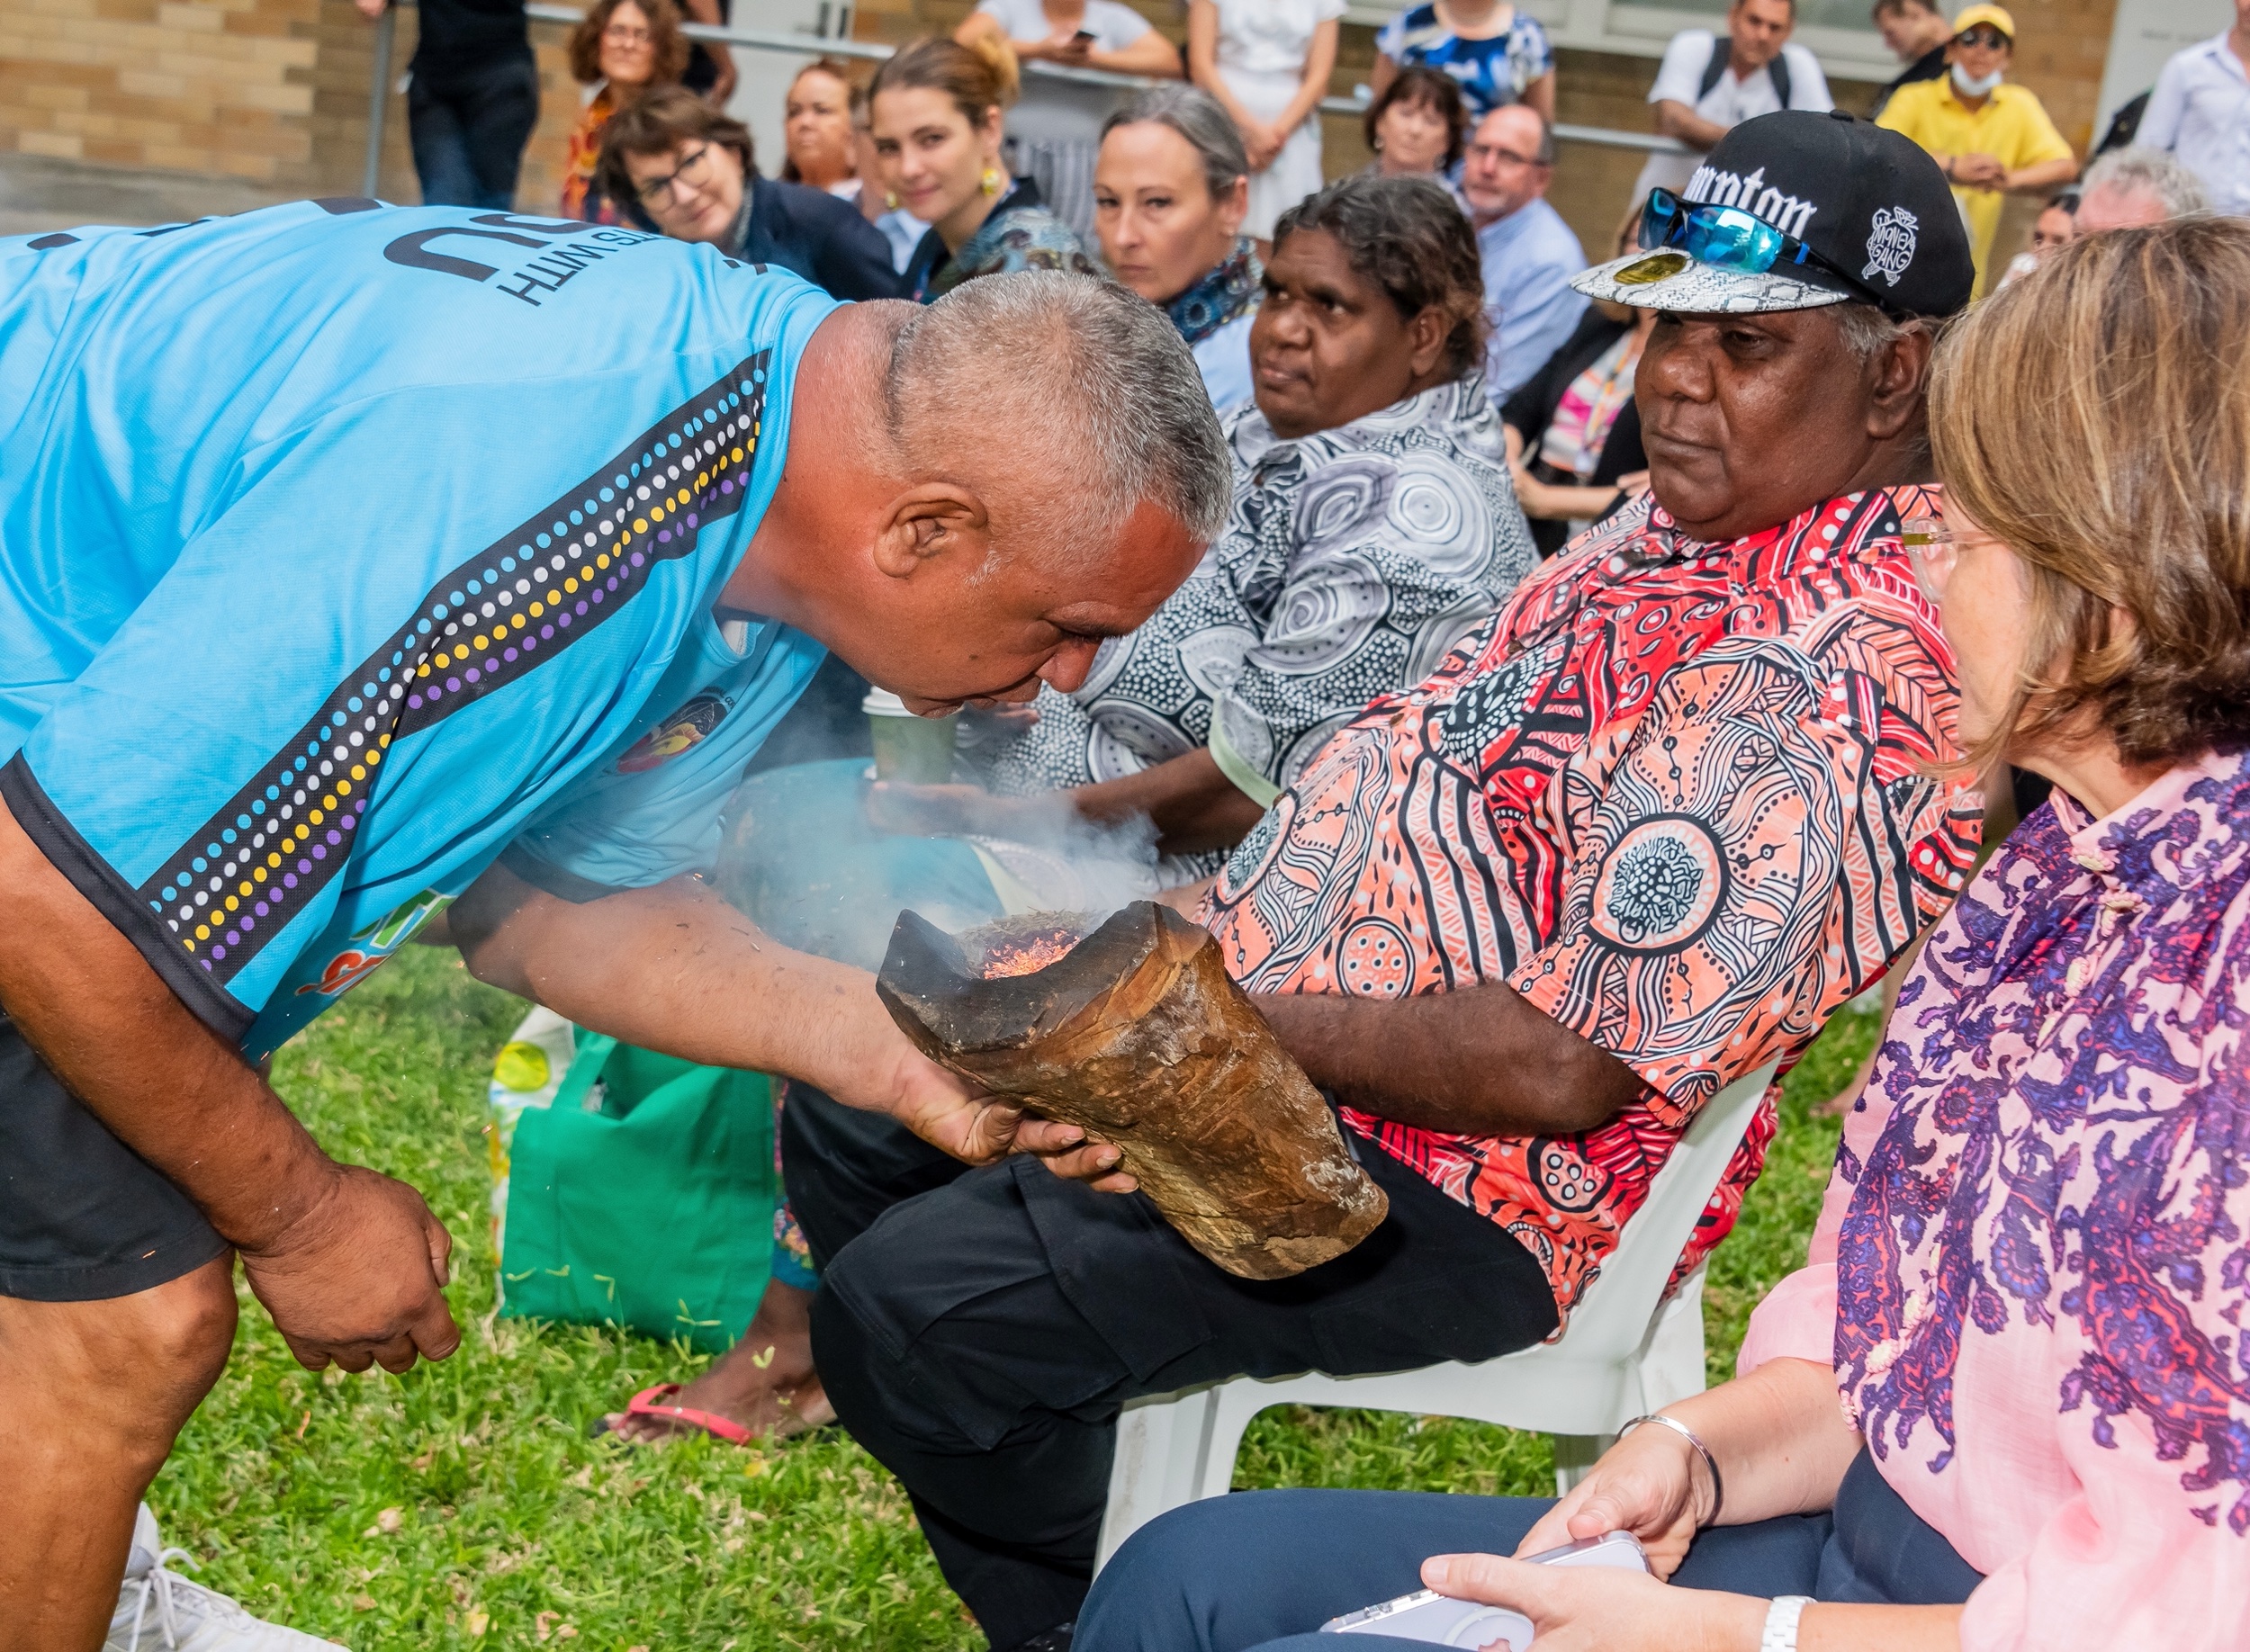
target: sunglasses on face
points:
(1991, 40)
(1732, 239)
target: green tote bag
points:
(644, 1197)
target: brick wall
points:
(275, 92)
(203, 86)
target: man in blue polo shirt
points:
(356, 561)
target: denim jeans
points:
(469, 129)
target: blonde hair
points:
(2095, 417)
(978, 78)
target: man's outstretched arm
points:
(673, 967)
(350, 1264)
(1481, 1062)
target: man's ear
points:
(1901, 377)
(931, 519)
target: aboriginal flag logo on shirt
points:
(689, 726)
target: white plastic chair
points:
(1626, 1351)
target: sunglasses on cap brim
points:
(1729, 238)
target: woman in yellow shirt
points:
(1991, 137)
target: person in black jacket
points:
(684, 168)
(1573, 431)
(471, 101)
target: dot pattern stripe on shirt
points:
(263, 857)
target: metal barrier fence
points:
(815, 46)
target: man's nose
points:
(1066, 669)
(1674, 371)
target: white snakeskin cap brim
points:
(1671, 280)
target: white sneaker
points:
(160, 1611)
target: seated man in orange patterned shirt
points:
(1639, 837)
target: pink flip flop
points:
(645, 1404)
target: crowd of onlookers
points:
(1426, 391)
(1875, 533)
(993, 151)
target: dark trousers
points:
(469, 127)
(1265, 1569)
(978, 1335)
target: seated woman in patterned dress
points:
(1374, 525)
(2028, 1287)
(937, 112)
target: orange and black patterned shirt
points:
(1679, 795)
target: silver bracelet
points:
(1718, 1483)
(1781, 1623)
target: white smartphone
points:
(1440, 1620)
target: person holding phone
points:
(2002, 1405)
(1055, 129)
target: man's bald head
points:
(1509, 162)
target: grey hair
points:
(1094, 381)
(1198, 117)
(2139, 170)
(1868, 332)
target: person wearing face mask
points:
(1416, 125)
(938, 113)
(679, 167)
(1170, 191)
(1989, 137)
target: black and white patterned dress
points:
(1354, 559)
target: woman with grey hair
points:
(1374, 522)
(1170, 188)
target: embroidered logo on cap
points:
(1769, 205)
(1891, 248)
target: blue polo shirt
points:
(348, 547)
(1529, 257)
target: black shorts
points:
(83, 1217)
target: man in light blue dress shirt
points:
(1529, 252)
(2199, 111)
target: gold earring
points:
(890, 199)
(992, 180)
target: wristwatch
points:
(1781, 1623)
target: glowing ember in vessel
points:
(1028, 956)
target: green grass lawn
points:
(465, 1505)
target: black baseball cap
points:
(1868, 201)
